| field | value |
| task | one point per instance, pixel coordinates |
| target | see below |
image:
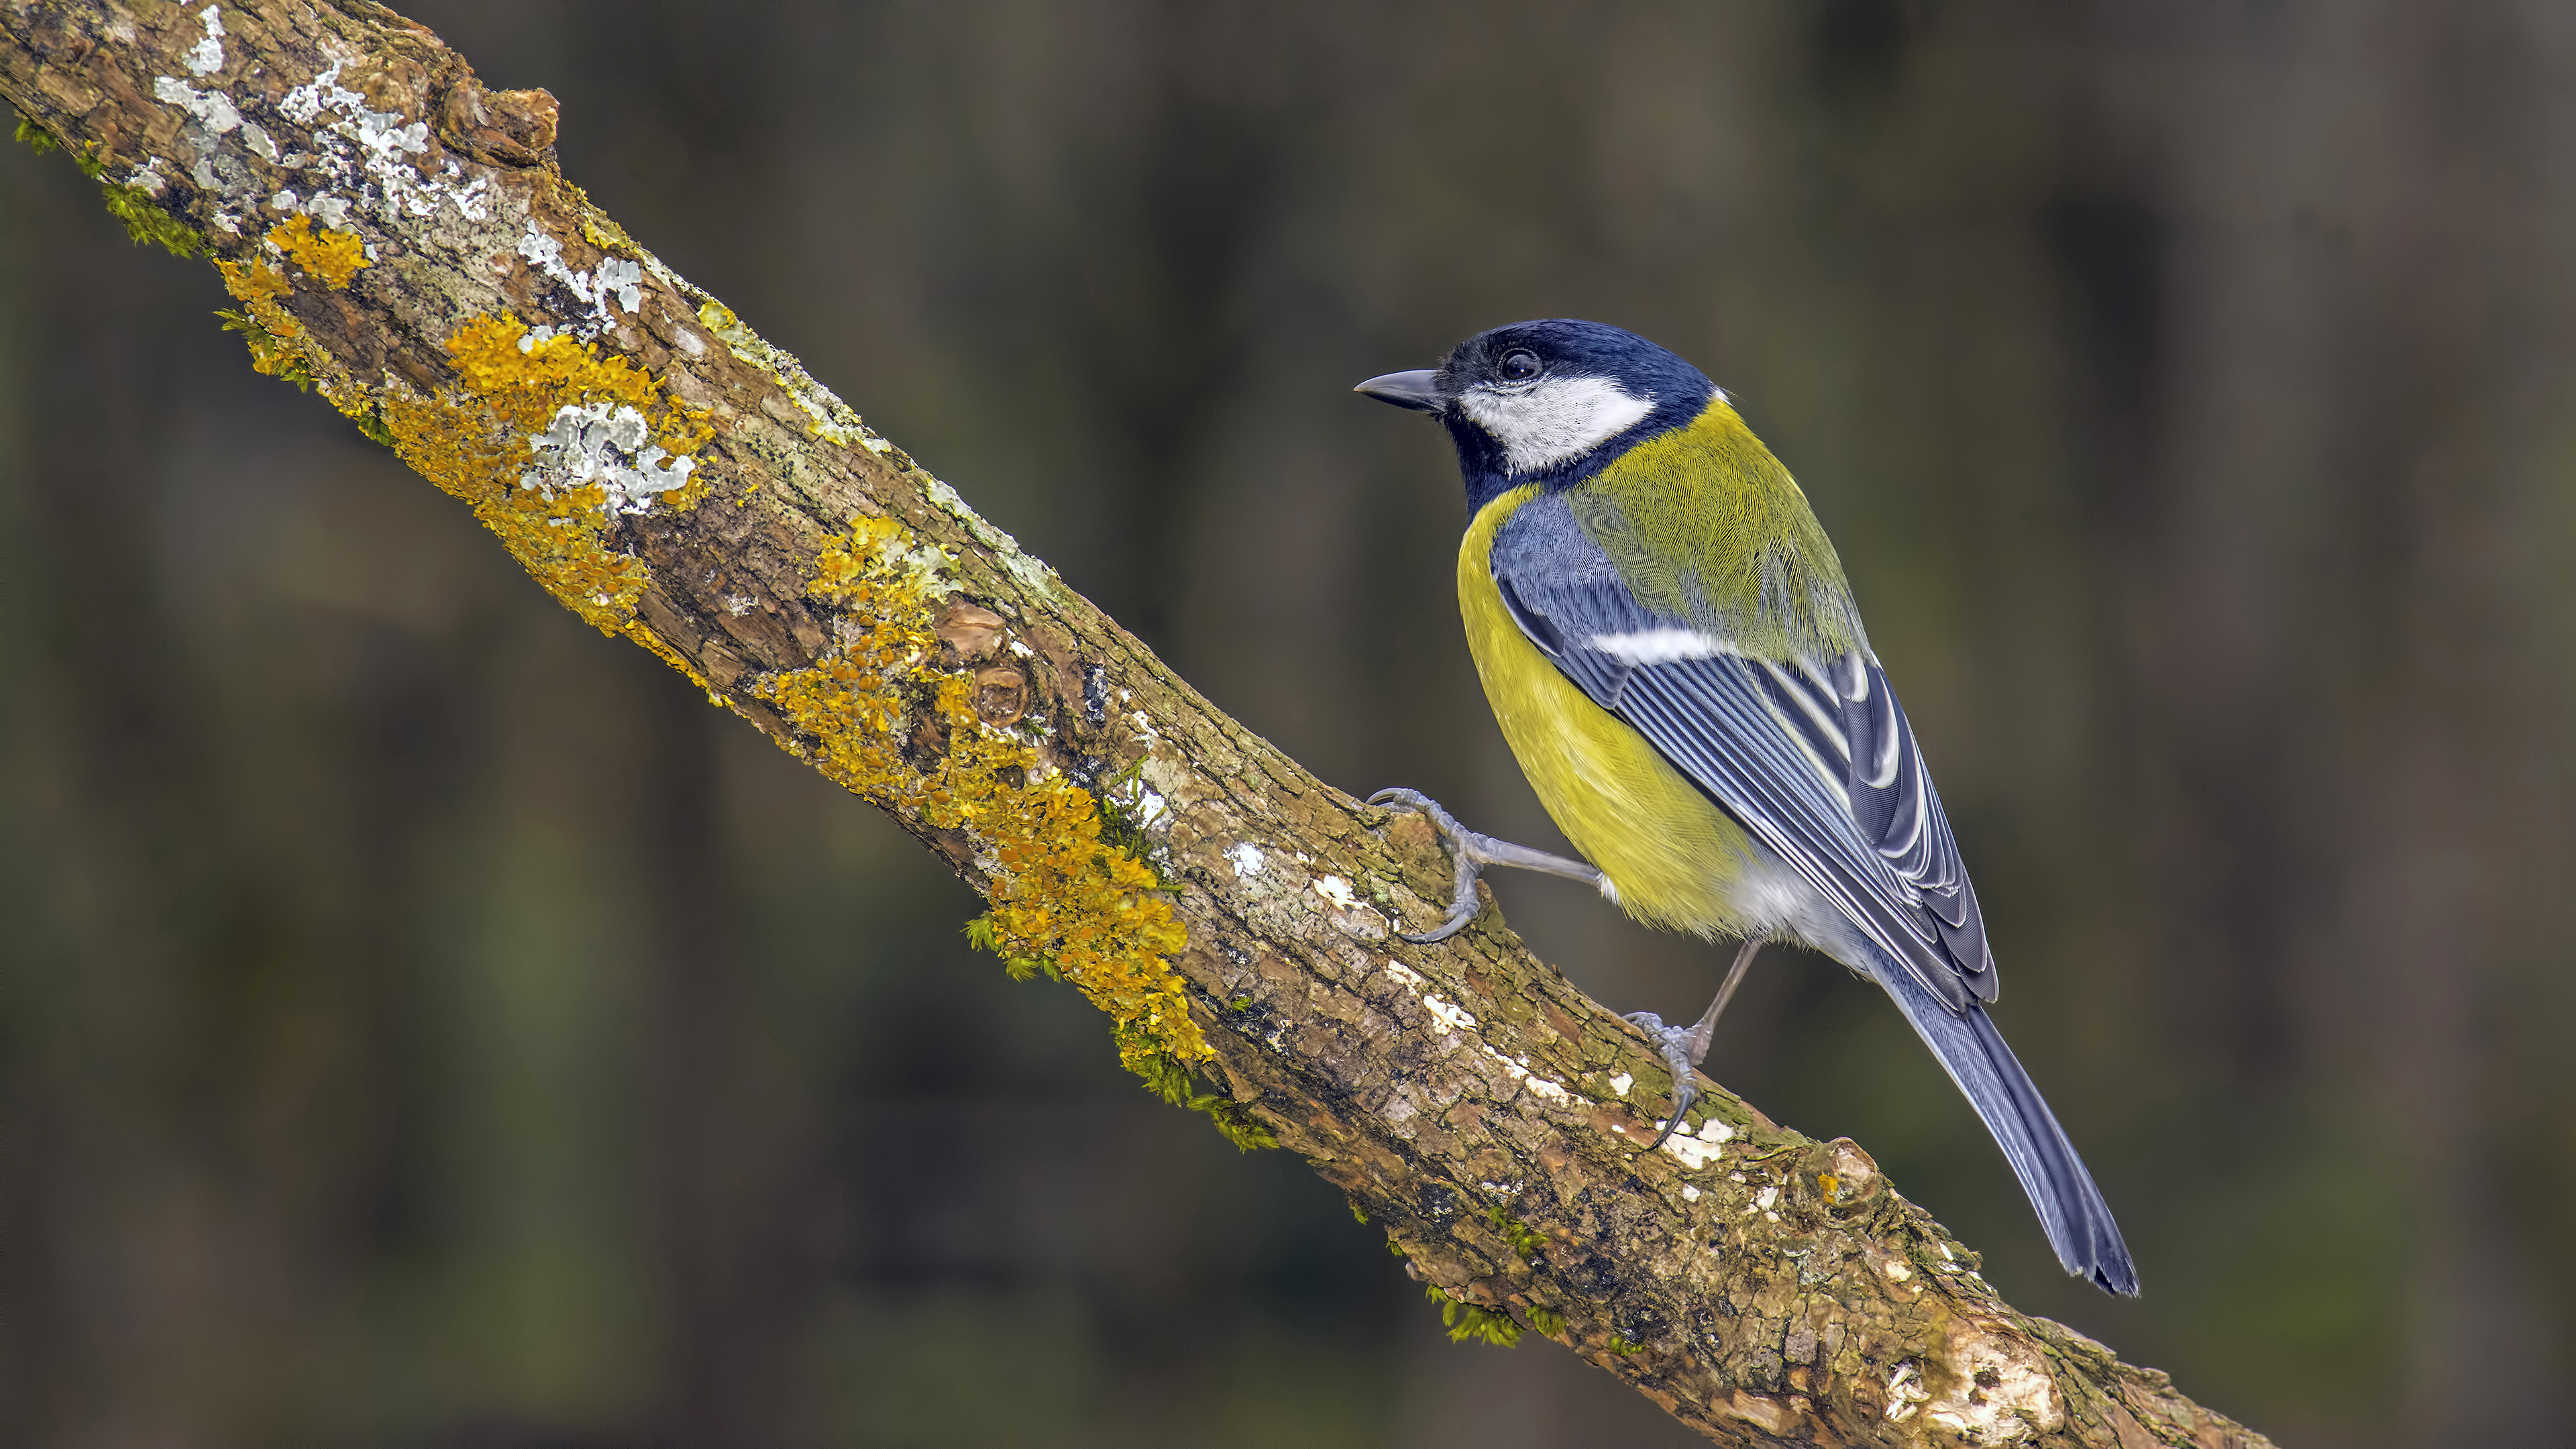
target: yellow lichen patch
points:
(526, 385)
(333, 257)
(718, 318)
(276, 339)
(1063, 899)
(254, 281)
(477, 448)
(604, 233)
(557, 539)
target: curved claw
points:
(1398, 795)
(1459, 841)
(1676, 1043)
(1470, 853)
(1459, 916)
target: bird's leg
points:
(1685, 1047)
(1471, 853)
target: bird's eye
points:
(1518, 365)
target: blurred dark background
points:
(424, 1021)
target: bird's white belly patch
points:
(1777, 902)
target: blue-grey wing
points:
(1813, 756)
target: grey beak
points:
(1419, 391)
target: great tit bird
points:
(1665, 635)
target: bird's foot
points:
(1470, 852)
(1683, 1047)
(1463, 856)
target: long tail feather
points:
(2070, 1207)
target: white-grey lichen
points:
(213, 109)
(1698, 1152)
(362, 156)
(611, 447)
(368, 152)
(615, 280)
(207, 55)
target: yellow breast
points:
(1669, 853)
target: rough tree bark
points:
(401, 240)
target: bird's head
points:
(1550, 402)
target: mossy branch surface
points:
(400, 240)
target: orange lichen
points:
(277, 343)
(331, 257)
(254, 281)
(524, 386)
(1064, 900)
(477, 448)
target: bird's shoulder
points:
(1702, 524)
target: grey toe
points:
(1675, 1043)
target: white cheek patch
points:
(1553, 419)
(1644, 648)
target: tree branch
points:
(401, 240)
